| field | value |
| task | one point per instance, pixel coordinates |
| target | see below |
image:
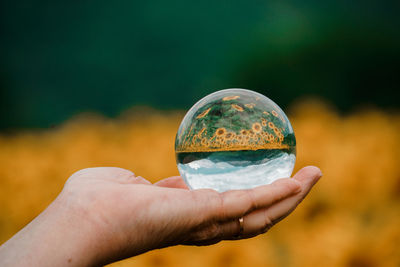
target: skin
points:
(107, 214)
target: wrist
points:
(76, 231)
(71, 232)
(94, 240)
(59, 236)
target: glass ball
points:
(234, 139)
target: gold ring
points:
(241, 223)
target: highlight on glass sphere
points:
(234, 139)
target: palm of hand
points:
(128, 215)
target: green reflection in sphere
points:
(234, 139)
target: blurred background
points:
(102, 83)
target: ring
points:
(241, 223)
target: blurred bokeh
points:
(103, 83)
(59, 58)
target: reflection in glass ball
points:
(234, 139)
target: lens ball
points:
(234, 139)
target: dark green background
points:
(59, 58)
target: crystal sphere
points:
(234, 139)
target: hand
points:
(107, 214)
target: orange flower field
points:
(351, 218)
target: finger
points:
(236, 203)
(254, 223)
(172, 182)
(240, 202)
(213, 233)
(228, 230)
(308, 177)
(260, 221)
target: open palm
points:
(131, 213)
(106, 214)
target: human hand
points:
(107, 214)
